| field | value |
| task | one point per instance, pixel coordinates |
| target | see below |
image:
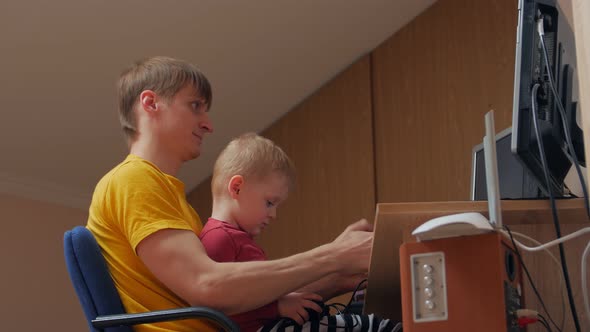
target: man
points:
(149, 233)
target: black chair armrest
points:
(212, 315)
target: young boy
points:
(251, 178)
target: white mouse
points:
(470, 223)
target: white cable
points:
(561, 280)
(554, 242)
(540, 28)
(584, 281)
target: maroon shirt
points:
(227, 243)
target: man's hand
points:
(361, 225)
(354, 246)
(293, 306)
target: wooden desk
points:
(394, 223)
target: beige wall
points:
(36, 291)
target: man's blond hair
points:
(253, 157)
(163, 75)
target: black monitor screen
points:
(530, 71)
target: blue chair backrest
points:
(91, 278)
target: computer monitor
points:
(530, 69)
(514, 180)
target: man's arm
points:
(178, 259)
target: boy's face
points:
(184, 123)
(258, 201)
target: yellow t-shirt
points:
(136, 199)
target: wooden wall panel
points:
(433, 81)
(201, 200)
(329, 138)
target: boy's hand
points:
(293, 306)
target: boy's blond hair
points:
(163, 75)
(253, 157)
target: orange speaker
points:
(466, 283)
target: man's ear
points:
(235, 184)
(148, 101)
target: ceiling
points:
(60, 60)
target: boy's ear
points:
(148, 101)
(234, 186)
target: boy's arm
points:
(178, 259)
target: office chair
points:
(100, 300)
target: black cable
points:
(346, 307)
(526, 271)
(572, 153)
(553, 209)
(354, 292)
(545, 325)
(335, 306)
(544, 322)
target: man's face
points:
(258, 202)
(184, 123)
